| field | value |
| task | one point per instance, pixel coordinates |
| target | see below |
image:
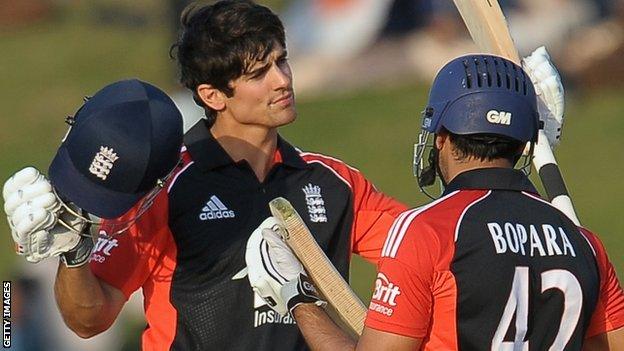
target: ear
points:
(211, 96)
(441, 138)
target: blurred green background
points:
(47, 66)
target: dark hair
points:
(219, 43)
(486, 147)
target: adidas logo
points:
(215, 209)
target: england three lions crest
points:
(103, 162)
(315, 203)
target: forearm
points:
(86, 303)
(319, 331)
(613, 340)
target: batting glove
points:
(549, 90)
(33, 211)
(275, 274)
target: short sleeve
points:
(402, 302)
(609, 312)
(126, 260)
(373, 211)
(374, 214)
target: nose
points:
(281, 76)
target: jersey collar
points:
(491, 179)
(208, 154)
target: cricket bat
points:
(488, 28)
(345, 307)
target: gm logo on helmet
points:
(499, 117)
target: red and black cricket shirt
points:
(491, 266)
(187, 253)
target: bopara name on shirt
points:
(542, 240)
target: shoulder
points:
(348, 174)
(594, 243)
(590, 238)
(325, 160)
(430, 227)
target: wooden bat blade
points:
(488, 27)
(345, 303)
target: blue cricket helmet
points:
(122, 141)
(483, 94)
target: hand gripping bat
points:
(345, 307)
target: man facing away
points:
(487, 266)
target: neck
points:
(252, 143)
(461, 166)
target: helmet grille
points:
(494, 72)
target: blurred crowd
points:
(336, 45)
(343, 44)
(340, 44)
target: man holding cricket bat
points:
(186, 251)
(487, 266)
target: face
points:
(264, 96)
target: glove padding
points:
(33, 212)
(549, 90)
(275, 274)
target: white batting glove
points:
(549, 90)
(33, 213)
(275, 274)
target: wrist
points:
(80, 254)
(306, 308)
(301, 291)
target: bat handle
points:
(548, 170)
